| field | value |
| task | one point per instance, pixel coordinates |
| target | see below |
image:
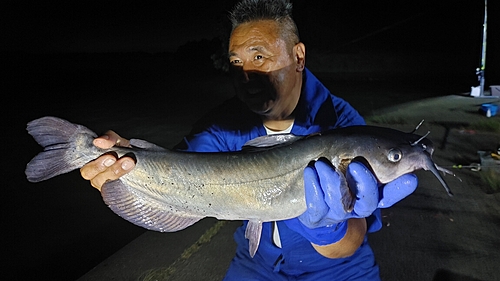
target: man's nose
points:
(245, 76)
(248, 73)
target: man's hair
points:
(277, 10)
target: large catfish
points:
(170, 190)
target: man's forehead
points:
(249, 46)
(255, 36)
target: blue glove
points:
(330, 204)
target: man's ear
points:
(300, 56)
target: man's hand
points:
(108, 166)
(324, 221)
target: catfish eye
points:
(394, 155)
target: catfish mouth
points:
(429, 165)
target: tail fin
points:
(58, 138)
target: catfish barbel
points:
(170, 190)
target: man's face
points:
(266, 72)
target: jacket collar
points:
(312, 113)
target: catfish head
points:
(391, 153)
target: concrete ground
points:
(427, 236)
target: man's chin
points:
(260, 108)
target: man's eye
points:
(234, 61)
(259, 57)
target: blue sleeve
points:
(347, 115)
(203, 141)
(206, 135)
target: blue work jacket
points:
(229, 126)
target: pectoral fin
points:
(253, 233)
(348, 197)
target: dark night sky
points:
(105, 26)
(158, 26)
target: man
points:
(277, 94)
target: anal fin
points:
(144, 211)
(253, 233)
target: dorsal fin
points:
(270, 141)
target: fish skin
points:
(170, 190)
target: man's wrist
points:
(326, 235)
(321, 236)
(349, 244)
